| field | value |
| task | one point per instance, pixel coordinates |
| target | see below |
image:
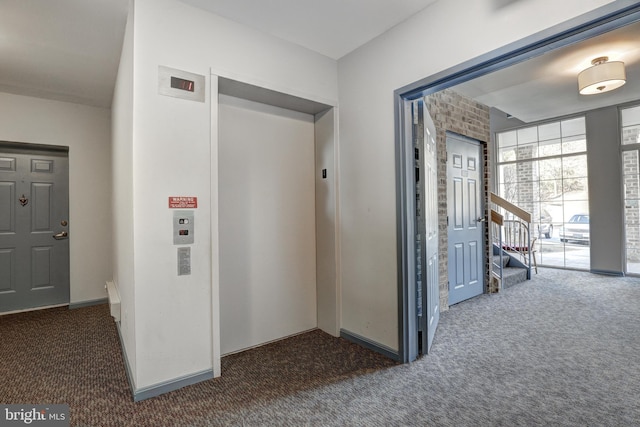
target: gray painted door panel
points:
(465, 231)
(34, 266)
(427, 282)
(431, 228)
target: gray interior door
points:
(426, 249)
(34, 229)
(465, 218)
(431, 227)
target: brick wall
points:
(631, 177)
(455, 113)
(527, 181)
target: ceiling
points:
(69, 50)
(66, 50)
(546, 86)
(330, 27)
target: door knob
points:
(60, 236)
(481, 219)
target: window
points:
(630, 121)
(543, 170)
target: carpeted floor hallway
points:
(562, 349)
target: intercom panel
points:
(183, 227)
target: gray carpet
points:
(560, 350)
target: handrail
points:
(497, 217)
(516, 236)
(505, 204)
(497, 221)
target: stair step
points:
(513, 275)
(505, 260)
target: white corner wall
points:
(327, 218)
(443, 35)
(175, 317)
(86, 131)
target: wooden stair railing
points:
(512, 235)
(497, 221)
(510, 207)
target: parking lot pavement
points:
(552, 252)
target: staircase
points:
(513, 252)
(513, 272)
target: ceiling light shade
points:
(602, 77)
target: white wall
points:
(86, 131)
(172, 152)
(327, 214)
(122, 199)
(267, 223)
(443, 35)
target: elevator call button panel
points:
(183, 227)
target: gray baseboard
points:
(161, 388)
(88, 303)
(127, 368)
(171, 385)
(371, 345)
(608, 272)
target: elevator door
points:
(267, 224)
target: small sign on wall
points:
(184, 261)
(180, 84)
(183, 202)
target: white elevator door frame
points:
(267, 223)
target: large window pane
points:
(576, 186)
(631, 175)
(631, 135)
(550, 168)
(550, 148)
(574, 166)
(549, 131)
(575, 211)
(535, 190)
(507, 154)
(509, 191)
(527, 151)
(527, 135)
(631, 184)
(551, 190)
(630, 116)
(527, 171)
(507, 139)
(572, 127)
(630, 125)
(507, 173)
(549, 179)
(574, 144)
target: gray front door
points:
(34, 229)
(465, 218)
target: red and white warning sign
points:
(183, 202)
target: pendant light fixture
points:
(602, 77)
